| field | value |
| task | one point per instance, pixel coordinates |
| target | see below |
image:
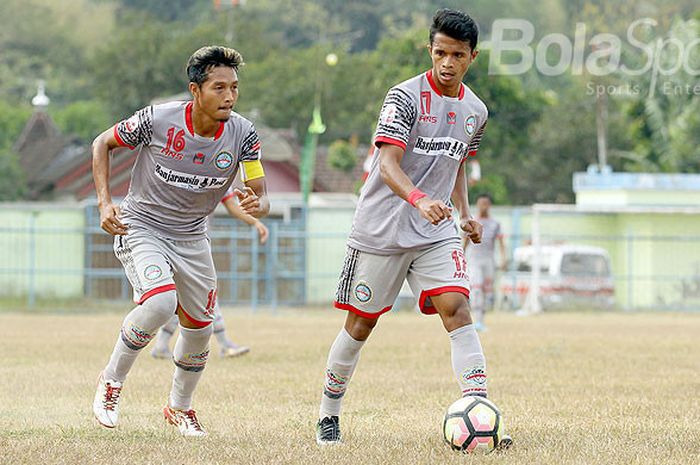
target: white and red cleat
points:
(106, 403)
(233, 350)
(185, 420)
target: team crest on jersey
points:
(223, 161)
(470, 125)
(198, 158)
(451, 117)
(152, 272)
(363, 292)
(388, 114)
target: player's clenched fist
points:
(110, 220)
(248, 200)
(433, 210)
(473, 228)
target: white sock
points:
(342, 360)
(138, 328)
(468, 361)
(190, 356)
(220, 330)
(120, 362)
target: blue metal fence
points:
(44, 259)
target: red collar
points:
(431, 81)
(190, 126)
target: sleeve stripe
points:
(227, 196)
(388, 140)
(119, 139)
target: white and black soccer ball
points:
(473, 424)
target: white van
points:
(571, 276)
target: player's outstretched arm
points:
(460, 199)
(109, 212)
(389, 166)
(236, 212)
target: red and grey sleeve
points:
(396, 119)
(228, 195)
(250, 146)
(136, 130)
(475, 141)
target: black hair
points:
(484, 195)
(206, 58)
(455, 24)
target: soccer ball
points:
(473, 424)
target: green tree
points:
(342, 156)
(13, 185)
(665, 125)
(12, 177)
(85, 119)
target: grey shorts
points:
(154, 265)
(369, 283)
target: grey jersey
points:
(438, 133)
(485, 249)
(179, 176)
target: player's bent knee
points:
(164, 303)
(143, 322)
(359, 327)
(456, 315)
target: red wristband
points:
(415, 195)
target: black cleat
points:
(506, 442)
(328, 431)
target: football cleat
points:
(328, 431)
(185, 420)
(106, 403)
(505, 443)
(233, 350)
(161, 352)
(480, 327)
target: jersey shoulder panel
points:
(239, 122)
(170, 111)
(471, 97)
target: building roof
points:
(636, 181)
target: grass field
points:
(580, 388)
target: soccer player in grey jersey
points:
(482, 261)
(189, 154)
(227, 348)
(403, 226)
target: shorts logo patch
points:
(152, 272)
(363, 293)
(223, 161)
(475, 377)
(470, 125)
